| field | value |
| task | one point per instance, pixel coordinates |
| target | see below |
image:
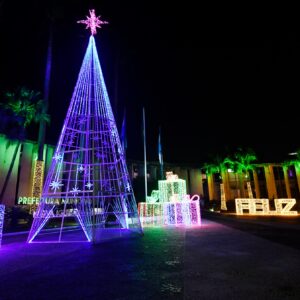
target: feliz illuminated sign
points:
(261, 206)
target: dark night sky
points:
(213, 77)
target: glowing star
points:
(80, 169)
(75, 190)
(89, 185)
(57, 156)
(55, 185)
(93, 22)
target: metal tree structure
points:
(2, 210)
(88, 182)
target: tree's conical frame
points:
(87, 195)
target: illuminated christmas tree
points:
(88, 181)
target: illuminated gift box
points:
(182, 213)
(2, 209)
(151, 213)
(170, 213)
(170, 204)
(172, 189)
(154, 197)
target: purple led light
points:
(2, 210)
(88, 178)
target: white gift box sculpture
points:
(170, 205)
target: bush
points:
(15, 214)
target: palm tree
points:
(210, 170)
(27, 108)
(243, 163)
(220, 166)
(223, 164)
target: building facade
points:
(268, 180)
(21, 179)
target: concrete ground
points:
(215, 261)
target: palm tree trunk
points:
(39, 165)
(270, 181)
(42, 129)
(241, 182)
(256, 184)
(18, 173)
(211, 186)
(225, 181)
(286, 181)
(9, 172)
(223, 197)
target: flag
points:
(160, 155)
(123, 133)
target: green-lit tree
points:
(210, 170)
(26, 107)
(242, 164)
(220, 165)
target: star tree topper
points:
(93, 22)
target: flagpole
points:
(123, 134)
(145, 157)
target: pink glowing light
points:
(93, 22)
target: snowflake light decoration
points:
(55, 185)
(80, 168)
(75, 190)
(57, 156)
(89, 185)
(93, 22)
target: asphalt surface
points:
(225, 258)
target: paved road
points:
(211, 262)
(282, 230)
